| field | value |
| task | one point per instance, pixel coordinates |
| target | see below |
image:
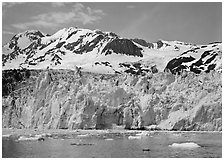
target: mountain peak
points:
(31, 33)
(104, 52)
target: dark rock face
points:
(32, 36)
(90, 45)
(11, 79)
(160, 44)
(185, 62)
(175, 65)
(123, 46)
(87, 47)
(135, 68)
(107, 64)
(143, 43)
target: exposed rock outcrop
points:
(205, 60)
(123, 46)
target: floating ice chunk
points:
(144, 133)
(38, 135)
(177, 135)
(6, 136)
(185, 145)
(134, 137)
(109, 139)
(139, 134)
(83, 135)
(22, 138)
(36, 138)
(46, 135)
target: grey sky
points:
(198, 23)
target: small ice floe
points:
(39, 135)
(6, 136)
(144, 133)
(81, 144)
(22, 138)
(135, 137)
(83, 135)
(177, 134)
(109, 139)
(35, 138)
(46, 135)
(188, 145)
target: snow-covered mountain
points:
(106, 52)
(201, 58)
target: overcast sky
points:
(198, 23)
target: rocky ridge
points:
(106, 52)
(204, 58)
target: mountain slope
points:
(105, 52)
(202, 58)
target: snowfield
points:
(93, 50)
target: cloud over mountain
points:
(10, 4)
(79, 13)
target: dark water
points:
(157, 142)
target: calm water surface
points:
(117, 146)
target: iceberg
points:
(134, 137)
(185, 145)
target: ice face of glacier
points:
(64, 99)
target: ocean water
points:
(117, 145)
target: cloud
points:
(58, 4)
(135, 27)
(7, 32)
(39, 23)
(131, 6)
(79, 13)
(78, 7)
(7, 5)
(10, 4)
